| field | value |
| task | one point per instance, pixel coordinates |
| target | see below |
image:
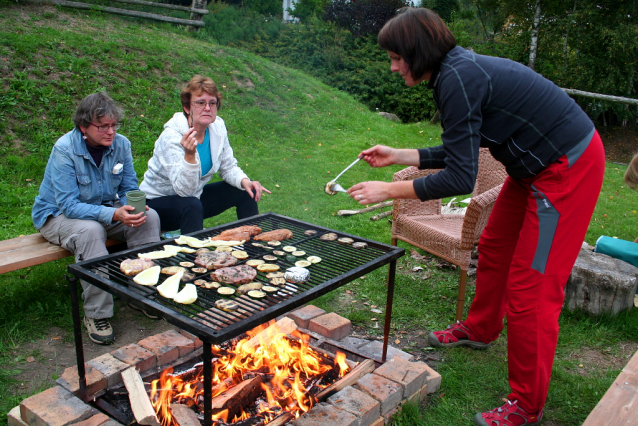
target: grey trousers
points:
(86, 239)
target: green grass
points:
(293, 134)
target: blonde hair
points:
(631, 175)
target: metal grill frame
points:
(148, 298)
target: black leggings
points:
(188, 213)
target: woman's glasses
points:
(202, 104)
(104, 128)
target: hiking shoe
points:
(148, 314)
(100, 330)
(509, 414)
(455, 335)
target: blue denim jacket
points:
(75, 187)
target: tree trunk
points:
(533, 47)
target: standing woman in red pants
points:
(555, 164)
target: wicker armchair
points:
(448, 236)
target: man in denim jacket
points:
(82, 199)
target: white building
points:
(289, 4)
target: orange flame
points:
(290, 365)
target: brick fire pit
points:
(372, 400)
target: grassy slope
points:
(290, 132)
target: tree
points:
(362, 17)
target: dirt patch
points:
(42, 361)
(592, 361)
(621, 143)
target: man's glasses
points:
(202, 104)
(104, 128)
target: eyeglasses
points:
(202, 104)
(104, 128)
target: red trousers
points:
(526, 255)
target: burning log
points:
(184, 415)
(140, 402)
(358, 372)
(237, 397)
(284, 325)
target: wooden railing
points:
(197, 12)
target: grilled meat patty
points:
(275, 235)
(251, 229)
(215, 259)
(232, 236)
(240, 274)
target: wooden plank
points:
(165, 6)
(117, 11)
(31, 250)
(619, 405)
(140, 403)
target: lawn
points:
(293, 134)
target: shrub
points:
(362, 17)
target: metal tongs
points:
(333, 187)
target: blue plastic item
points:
(619, 249)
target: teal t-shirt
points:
(204, 154)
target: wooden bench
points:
(619, 405)
(32, 250)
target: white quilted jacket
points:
(169, 174)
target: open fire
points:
(259, 378)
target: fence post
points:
(197, 4)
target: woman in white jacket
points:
(191, 149)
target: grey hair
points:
(631, 175)
(94, 107)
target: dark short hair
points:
(94, 107)
(420, 37)
(198, 85)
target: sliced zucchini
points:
(225, 291)
(289, 249)
(270, 289)
(226, 305)
(313, 259)
(256, 294)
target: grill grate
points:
(340, 264)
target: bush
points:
(362, 17)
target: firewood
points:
(365, 210)
(381, 215)
(237, 397)
(140, 402)
(284, 325)
(183, 415)
(358, 372)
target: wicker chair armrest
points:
(476, 216)
(414, 207)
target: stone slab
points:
(374, 350)
(600, 284)
(136, 356)
(55, 406)
(353, 343)
(387, 392)
(197, 340)
(326, 415)
(165, 352)
(359, 403)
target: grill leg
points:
(208, 384)
(388, 308)
(77, 332)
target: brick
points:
(14, 418)
(387, 392)
(168, 346)
(411, 375)
(111, 367)
(326, 415)
(70, 380)
(433, 380)
(197, 340)
(135, 355)
(359, 403)
(374, 350)
(55, 406)
(331, 325)
(303, 315)
(97, 420)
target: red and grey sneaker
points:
(456, 335)
(509, 414)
